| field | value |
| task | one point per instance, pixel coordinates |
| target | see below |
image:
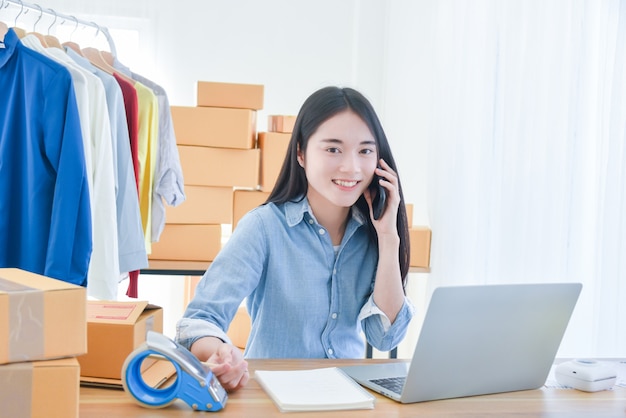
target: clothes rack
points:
(38, 8)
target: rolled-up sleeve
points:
(189, 330)
(379, 331)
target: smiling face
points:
(339, 162)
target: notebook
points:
(478, 340)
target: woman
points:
(317, 269)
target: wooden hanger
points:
(95, 57)
(3, 26)
(39, 36)
(19, 32)
(3, 30)
(34, 32)
(52, 40)
(108, 57)
(74, 47)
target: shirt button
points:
(330, 351)
(322, 232)
(311, 221)
(334, 315)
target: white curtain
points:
(527, 154)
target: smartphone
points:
(379, 196)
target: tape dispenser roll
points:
(195, 384)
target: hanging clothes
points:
(169, 181)
(45, 213)
(131, 105)
(132, 251)
(147, 152)
(104, 271)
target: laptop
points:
(478, 340)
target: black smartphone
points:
(379, 196)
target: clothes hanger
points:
(108, 57)
(19, 31)
(52, 40)
(37, 34)
(73, 45)
(96, 58)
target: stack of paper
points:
(314, 390)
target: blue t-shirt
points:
(304, 300)
(45, 218)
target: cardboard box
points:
(188, 243)
(281, 123)
(214, 127)
(40, 318)
(48, 388)
(420, 237)
(155, 372)
(203, 205)
(239, 328)
(273, 146)
(246, 200)
(114, 330)
(220, 167)
(241, 96)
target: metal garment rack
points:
(50, 12)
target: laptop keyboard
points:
(393, 384)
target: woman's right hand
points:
(225, 360)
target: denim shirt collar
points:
(295, 211)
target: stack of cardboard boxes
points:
(219, 155)
(42, 330)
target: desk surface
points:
(252, 401)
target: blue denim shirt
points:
(305, 300)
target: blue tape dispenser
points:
(195, 384)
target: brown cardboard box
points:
(241, 96)
(114, 330)
(203, 205)
(420, 246)
(273, 146)
(239, 328)
(281, 123)
(245, 201)
(48, 388)
(220, 167)
(214, 127)
(40, 318)
(188, 243)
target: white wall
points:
(291, 47)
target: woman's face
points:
(339, 160)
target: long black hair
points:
(292, 183)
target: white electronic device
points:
(586, 375)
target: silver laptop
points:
(478, 340)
